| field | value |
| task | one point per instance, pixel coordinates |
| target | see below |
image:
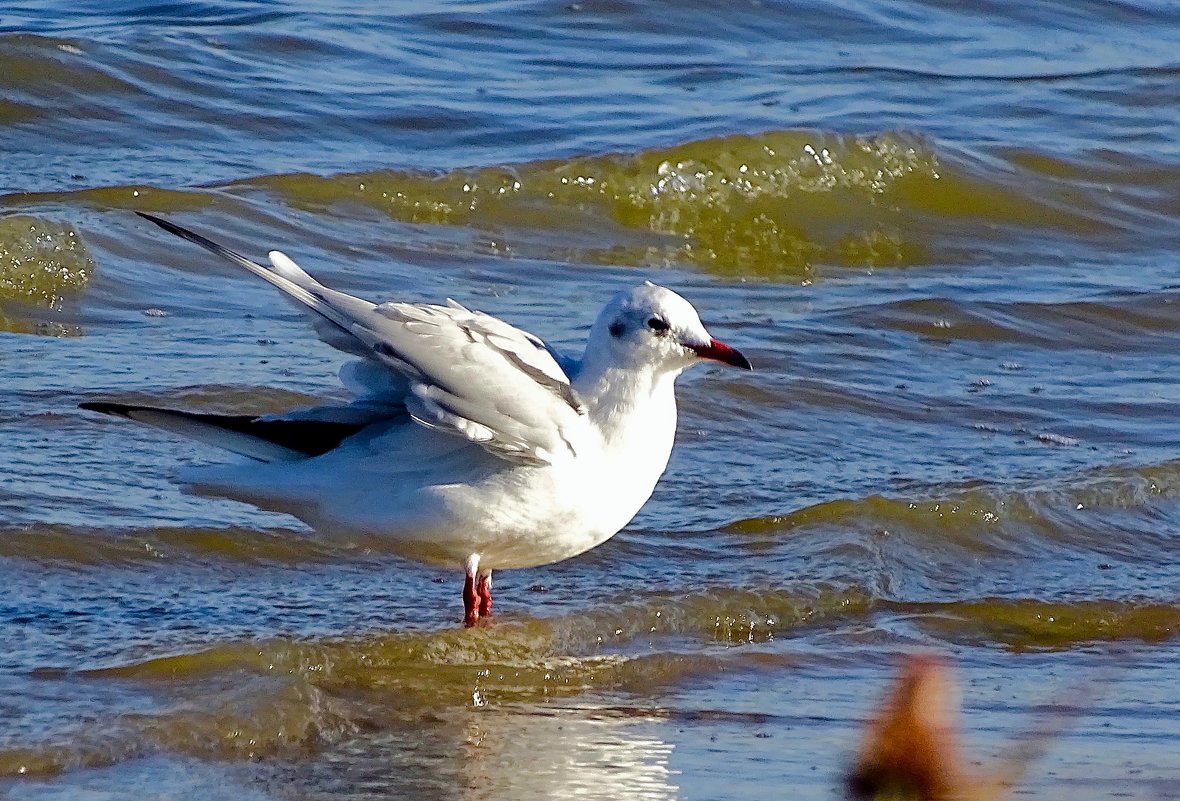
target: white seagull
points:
(470, 442)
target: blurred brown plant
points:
(911, 748)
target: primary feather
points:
(261, 438)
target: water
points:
(944, 234)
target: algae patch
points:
(41, 262)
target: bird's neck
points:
(630, 406)
(634, 415)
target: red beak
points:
(720, 352)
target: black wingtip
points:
(205, 242)
(160, 221)
(106, 407)
(173, 228)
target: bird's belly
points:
(513, 517)
(527, 518)
(558, 517)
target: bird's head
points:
(650, 327)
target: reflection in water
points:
(521, 751)
(563, 753)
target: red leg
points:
(483, 588)
(470, 601)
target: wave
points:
(767, 205)
(776, 205)
(41, 263)
(1112, 511)
(1126, 323)
(66, 545)
(283, 697)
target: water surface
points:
(944, 234)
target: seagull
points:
(469, 442)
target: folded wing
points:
(456, 370)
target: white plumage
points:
(471, 443)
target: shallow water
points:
(944, 234)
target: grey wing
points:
(478, 376)
(455, 370)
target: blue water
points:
(944, 233)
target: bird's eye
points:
(658, 325)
